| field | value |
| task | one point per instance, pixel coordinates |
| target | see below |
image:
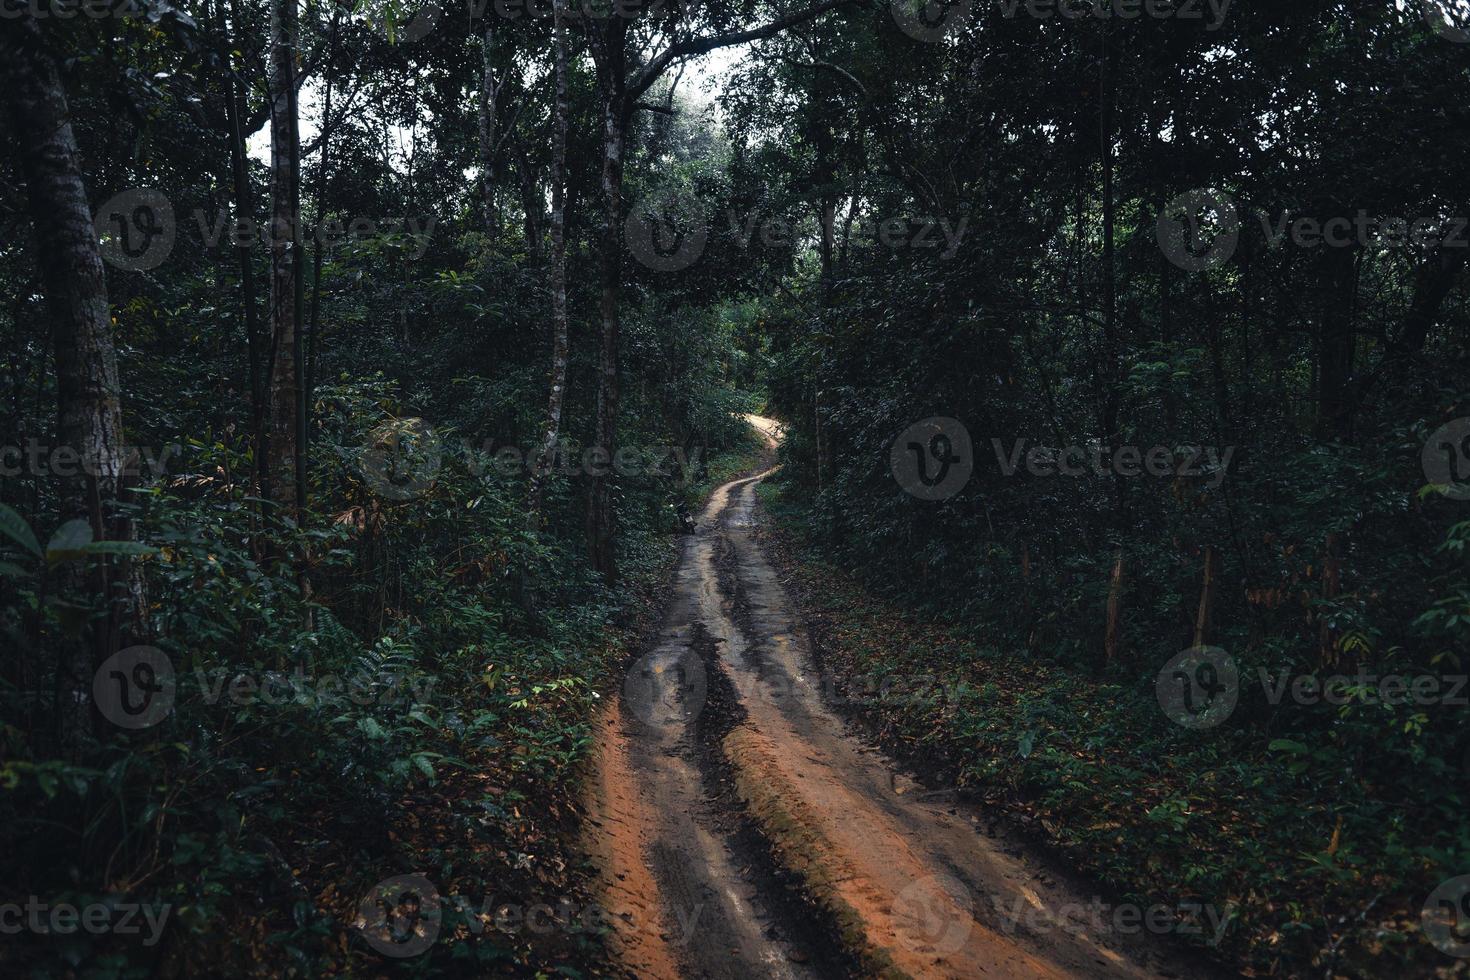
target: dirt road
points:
(742, 831)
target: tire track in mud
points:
(722, 758)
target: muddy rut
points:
(742, 831)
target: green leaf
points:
(118, 548)
(69, 542)
(1287, 745)
(12, 571)
(371, 728)
(13, 526)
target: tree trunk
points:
(558, 381)
(1331, 586)
(1205, 616)
(601, 518)
(320, 209)
(489, 99)
(1433, 282)
(244, 205)
(531, 204)
(88, 407)
(1115, 611)
(1335, 345)
(285, 259)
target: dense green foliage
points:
(1313, 109)
(446, 659)
(992, 255)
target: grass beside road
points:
(1318, 874)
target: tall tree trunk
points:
(1335, 345)
(531, 204)
(89, 412)
(1111, 368)
(488, 104)
(601, 518)
(285, 259)
(244, 206)
(319, 215)
(1110, 281)
(558, 381)
(827, 196)
(1432, 284)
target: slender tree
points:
(89, 412)
(285, 310)
(558, 381)
(487, 107)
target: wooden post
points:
(1206, 599)
(1115, 602)
(1331, 585)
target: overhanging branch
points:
(703, 45)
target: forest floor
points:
(742, 828)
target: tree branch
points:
(704, 45)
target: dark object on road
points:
(685, 521)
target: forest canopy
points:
(378, 378)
